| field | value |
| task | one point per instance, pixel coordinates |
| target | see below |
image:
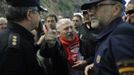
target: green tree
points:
(3, 7)
(58, 7)
(62, 7)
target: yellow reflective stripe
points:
(126, 69)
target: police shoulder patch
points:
(14, 40)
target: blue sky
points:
(127, 1)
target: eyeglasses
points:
(130, 12)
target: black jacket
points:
(57, 56)
(88, 36)
(18, 52)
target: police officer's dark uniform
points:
(17, 49)
(115, 52)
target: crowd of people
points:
(98, 42)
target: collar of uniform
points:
(21, 30)
(110, 28)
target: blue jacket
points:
(115, 52)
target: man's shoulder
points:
(124, 29)
(9, 39)
(14, 40)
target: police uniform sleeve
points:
(123, 53)
(12, 63)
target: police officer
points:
(115, 52)
(17, 49)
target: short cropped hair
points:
(51, 15)
(79, 16)
(17, 13)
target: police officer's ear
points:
(29, 14)
(117, 9)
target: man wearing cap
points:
(129, 17)
(115, 50)
(17, 48)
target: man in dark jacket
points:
(17, 48)
(88, 33)
(115, 50)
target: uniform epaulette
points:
(14, 40)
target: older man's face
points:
(103, 12)
(67, 31)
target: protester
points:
(88, 33)
(77, 21)
(67, 51)
(50, 22)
